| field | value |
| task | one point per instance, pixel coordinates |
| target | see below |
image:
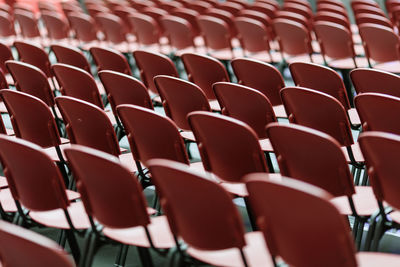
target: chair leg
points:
(347, 84)
(250, 214)
(370, 234)
(357, 176)
(124, 255)
(90, 248)
(62, 238)
(379, 232)
(187, 145)
(145, 258)
(269, 162)
(73, 244)
(360, 233)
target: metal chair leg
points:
(73, 244)
(379, 232)
(145, 258)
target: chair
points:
(294, 40)
(112, 27)
(110, 59)
(304, 107)
(292, 16)
(199, 221)
(84, 28)
(179, 98)
(232, 8)
(37, 185)
(328, 7)
(123, 12)
(27, 24)
(381, 47)
(217, 37)
(5, 54)
(146, 29)
(56, 26)
(264, 8)
(369, 9)
(204, 71)
(226, 17)
(260, 17)
(124, 89)
(334, 18)
(7, 31)
(153, 64)
(324, 80)
(190, 15)
(299, 9)
(375, 81)
(262, 77)
(37, 250)
(378, 112)
(34, 55)
(374, 19)
(318, 219)
(71, 56)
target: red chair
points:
(381, 46)
(37, 185)
(34, 55)
(146, 29)
(328, 7)
(151, 65)
(227, 17)
(190, 15)
(264, 8)
(5, 54)
(27, 25)
(334, 18)
(114, 32)
(375, 81)
(124, 89)
(123, 12)
(317, 218)
(324, 80)
(260, 17)
(232, 8)
(56, 26)
(199, 221)
(304, 3)
(7, 31)
(378, 112)
(84, 28)
(123, 213)
(304, 106)
(368, 9)
(292, 16)
(262, 77)
(37, 250)
(299, 9)
(110, 59)
(204, 71)
(374, 19)
(71, 56)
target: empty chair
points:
(7, 31)
(179, 33)
(114, 33)
(295, 17)
(37, 250)
(231, 7)
(125, 219)
(190, 15)
(381, 47)
(266, 9)
(84, 28)
(199, 221)
(325, 80)
(322, 112)
(151, 65)
(56, 26)
(205, 71)
(37, 185)
(109, 59)
(334, 18)
(226, 17)
(261, 17)
(34, 55)
(262, 77)
(375, 81)
(70, 56)
(362, 8)
(317, 218)
(123, 12)
(375, 19)
(378, 112)
(299, 9)
(146, 30)
(27, 24)
(5, 54)
(328, 7)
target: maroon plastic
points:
(215, 32)
(145, 28)
(27, 24)
(112, 27)
(83, 26)
(6, 25)
(179, 32)
(110, 59)
(253, 35)
(57, 27)
(375, 81)
(70, 56)
(5, 54)
(34, 55)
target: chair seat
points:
(52, 152)
(316, 58)
(256, 253)
(265, 57)
(111, 117)
(280, 111)
(392, 66)
(371, 259)
(72, 195)
(56, 218)
(159, 231)
(225, 54)
(7, 201)
(188, 135)
(354, 118)
(214, 105)
(266, 145)
(356, 152)
(128, 161)
(395, 216)
(348, 63)
(197, 167)
(9, 79)
(364, 202)
(3, 182)
(3, 108)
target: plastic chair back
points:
(110, 59)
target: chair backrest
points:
(260, 17)
(112, 27)
(312, 211)
(245, 104)
(260, 76)
(123, 12)
(204, 71)
(380, 43)
(5, 54)
(293, 37)
(179, 98)
(27, 24)
(36, 183)
(362, 9)
(378, 112)
(151, 135)
(124, 89)
(190, 15)
(88, 125)
(226, 17)
(56, 26)
(30, 79)
(267, 9)
(31, 118)
(232, 8)
(375, 81)
(34, 55)
(299, 150)
(83, 26)
(215, 32)
(253, 35)
(99, 175)
(110, 59)
(71, 56)
(295, 17)
(77, 83)
(319, 111)
(228, 147)
(151, 65)
(299, 9)
(320, 78)
(335, 40)
(374, 19)
(197, 219)
(332, 17)
(339, 10)
(145, 28)
(179, 32)
(380, 151)
(6, 25)
(37, 250)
